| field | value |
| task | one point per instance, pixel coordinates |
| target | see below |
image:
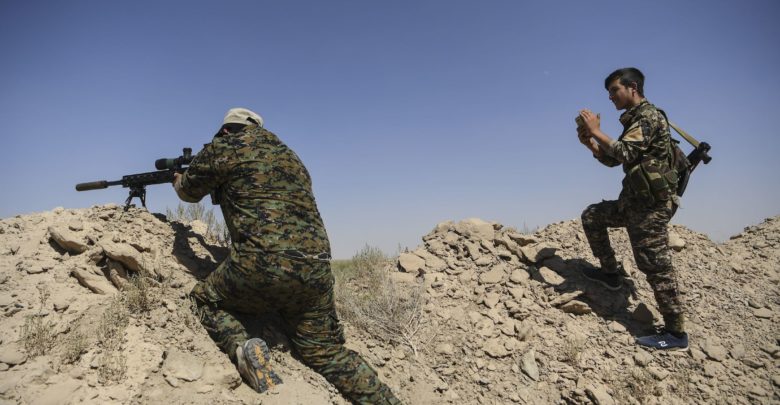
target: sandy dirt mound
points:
(507, 317)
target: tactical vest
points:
(654, 180)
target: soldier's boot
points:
(610, 275)
(665, 340)
(254, 365)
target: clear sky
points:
(406, 113)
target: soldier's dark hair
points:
(233, 128)
(627, 76)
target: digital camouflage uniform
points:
(269, 208)
(645, 136)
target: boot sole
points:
(253, 365)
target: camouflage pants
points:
(648, 233)
(301, 291)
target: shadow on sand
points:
(609, 305)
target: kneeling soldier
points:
(279, 259)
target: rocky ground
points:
(504, 317)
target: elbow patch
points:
(634, 134)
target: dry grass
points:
(37, 332)
(112, 364)
(74, 345)
(139, 295)
(368, 297)
(216, 230)
(571, 349)
(635, 387)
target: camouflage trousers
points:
(301, 291)
(649, 236)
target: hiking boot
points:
(612, 281)
(664, 340)
(254, 366)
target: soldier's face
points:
(620, 95)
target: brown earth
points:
(505, 318)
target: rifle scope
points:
(177, 163)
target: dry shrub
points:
(369, 298)
(216, 230)
(38, 333)
(571, 349)
(74, 345)
(112, 364)
(139, 295)
(638, 385)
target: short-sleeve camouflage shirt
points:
(264, 190)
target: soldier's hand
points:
(176, 180)
(583, 136)
(591, 121)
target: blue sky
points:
(406, 113)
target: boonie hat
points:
(242, 116)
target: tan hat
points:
(242, 116)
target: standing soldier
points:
(279, 259)
(645, 204)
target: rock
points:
(658, 373)
(642, 313)
(60, 303)
(432, 262)
(616, 326)
(564, 298)
(407, 278)
(67, 240)
(642, 358)
(444, 348)
(491, 300)
(538, 252)
(713, 369)
(410, 263)
(12, 354)
(96, 284)
(476, 229)
(550, 277)
(519, 276)
(495, 275)
(76, 226)
(521, 239)
(713, 350)
(117, 274)
(764, 313)
(473, 250)
(528, 365)
(598, 394)
(13, 248)
(697, 354)
(676, 242)
(576, 307)
(183, 366)
(738, 351)
(128, 256)
(495, 348)
(60, 393)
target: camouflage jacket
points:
(645, 135)
(264, 190)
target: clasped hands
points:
(587, 124)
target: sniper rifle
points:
(166, 168)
